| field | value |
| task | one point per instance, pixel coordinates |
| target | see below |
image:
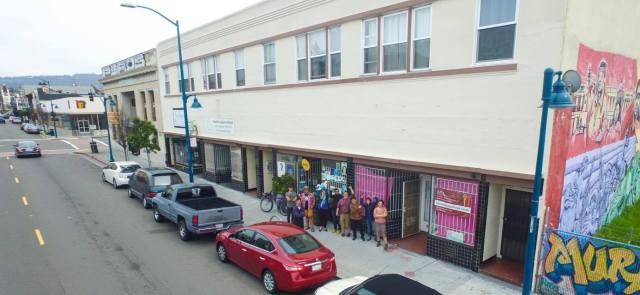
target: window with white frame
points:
(167, 81)
(335, 48)
(239, 56)
(208, 75)
(496, 30)
(217, 66)
(189, 79)
(269, 63)
(370, 45)
(301, 57)
(394, 42)
(421, 35)
(318, 54)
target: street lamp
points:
(554, 97)
(53, 113)
(104, 104)
(196, 104)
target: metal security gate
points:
(410, 207)
(516, 225)
(222, 163)
(312, 177)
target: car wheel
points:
(183, 232)
(115, 184)
(269, 281)
(130, 194)
(222, 253)
(145, 203)
(156, 215)
(104, 179)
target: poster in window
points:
(455, 206)
(178, 118)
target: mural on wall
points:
(594, 174)
(575, 264)
(594, 171)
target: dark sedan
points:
(27, 148)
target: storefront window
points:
(455, 208)
(335, 174)
(287, 164)
(208, 158)
(373, 183)
(180, 153)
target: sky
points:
(57, 37)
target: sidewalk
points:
(352, 257)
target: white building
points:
(430, 105)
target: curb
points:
(90, 156)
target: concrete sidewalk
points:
(352, 257)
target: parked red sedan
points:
(283, 255)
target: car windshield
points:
(130, 168)
(297, 244)
(27, 144)
(166, 179)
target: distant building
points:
(75, 114)
(132, 83)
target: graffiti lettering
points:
(592, 270)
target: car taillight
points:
(194, 220)
(291, 268)
(153, 194)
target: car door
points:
(240, 242)
(260, 255)
(134, 183)
(144, 184)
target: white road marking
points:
(16, 179)
(11, 167)
(100, 142)
(71, 144)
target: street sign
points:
(113, 117)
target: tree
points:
(144, 137)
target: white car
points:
(117, 173)
(385, 284)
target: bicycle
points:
(267, 201)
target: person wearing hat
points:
(308, 203)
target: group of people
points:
(348, 215)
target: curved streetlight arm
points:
(151, 9)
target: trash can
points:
(52, 132)
(94, 147)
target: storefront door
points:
(83, 126)
(516, 225)
(426, 202)
(410, 207)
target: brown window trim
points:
(409, 75)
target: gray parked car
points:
(147, 183)
(196, 209)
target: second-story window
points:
(394, 42)
(188, 77)
(217, 65)
(370, 44)
(269, 63)
(208, 75)
(301, 57)
(239, 56)
(167, 81)
(318, 54)
(496, 30)
(335, 47)
(421, 34)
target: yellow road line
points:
(25, 201)
(39, 237)
(16, 179)
(11, 167)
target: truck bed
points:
(207, 203)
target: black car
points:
(390, 284)
(27, 148)
(147, 183)
(2, 121)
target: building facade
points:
(431, 106)
(132, 84)
(75, 114)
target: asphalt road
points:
(73, 234)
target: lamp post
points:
(196, 104)
(53, 114)
(554, 96)
(104, 104)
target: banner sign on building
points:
(456, 206)
(81, 104)
(128, 64)
(220, 126)
(178, 117)
(577, 264)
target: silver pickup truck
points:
(196, 209)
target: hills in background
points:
(59, 81)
